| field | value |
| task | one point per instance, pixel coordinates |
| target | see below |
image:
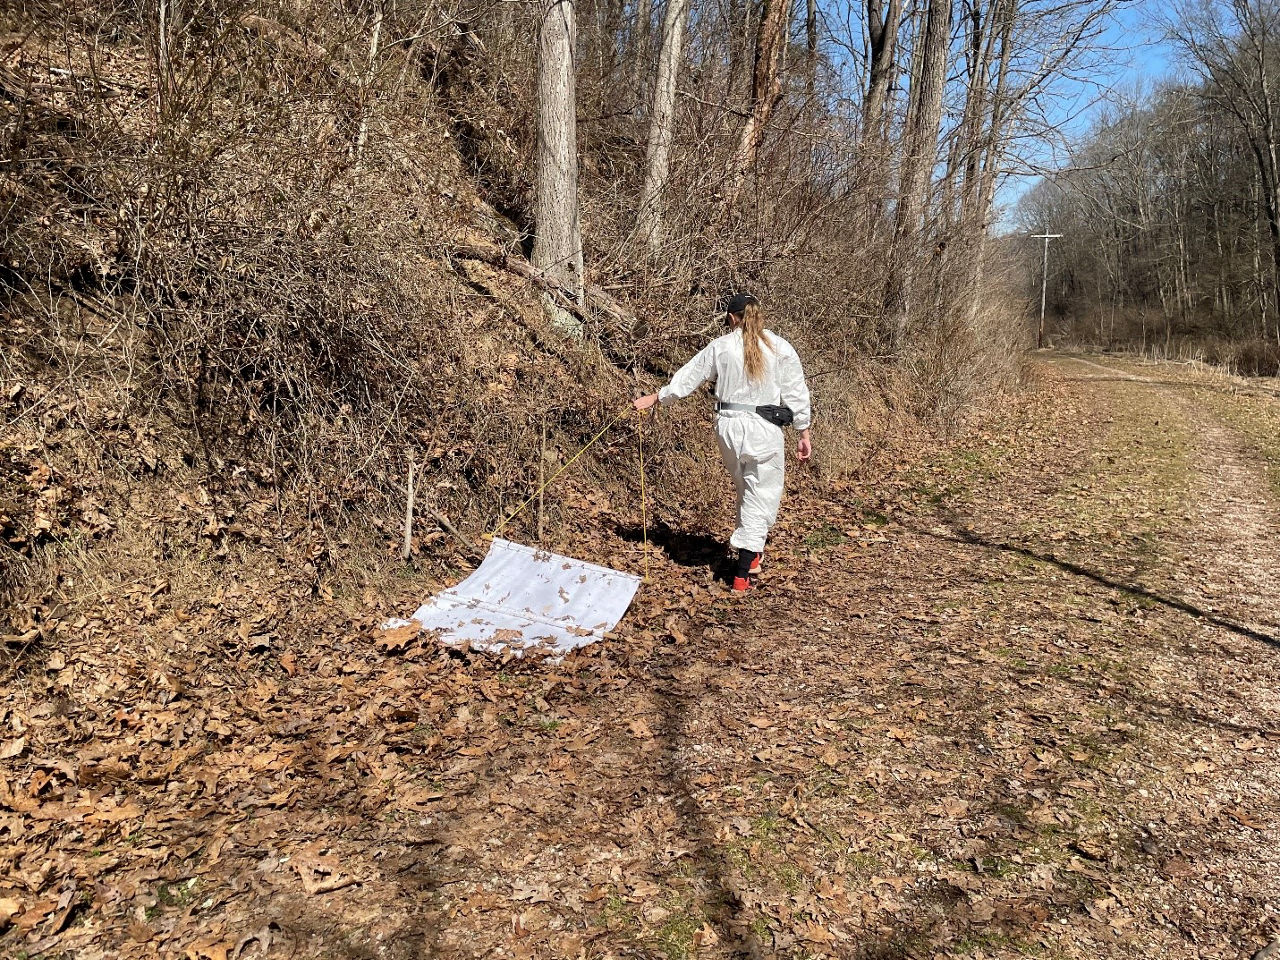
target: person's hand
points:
(804, 449)
(644, 403)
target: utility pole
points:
(1044, 281)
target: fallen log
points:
(496, 256)
(499, 257)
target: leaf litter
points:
(991, 716)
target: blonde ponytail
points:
(753, 341)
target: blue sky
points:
(1134, 54)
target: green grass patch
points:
(992, 940)
(676, 935)
(1254, 418)
(1134, 484)
(179, 894)
(616, 913)
(824, 538)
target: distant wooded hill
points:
(1170, 210)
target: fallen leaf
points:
(208, 950)
(640, 729)
(320, 877)
(1244, 819)
(397, 639)
(705, 937)
(815, 933)
(35, 913)
(126, 811)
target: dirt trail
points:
(1229, 567)
(1018, 700)
(1217, 673)
(1237, 525)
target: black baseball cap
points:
(737, 303)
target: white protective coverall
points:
(754, 450)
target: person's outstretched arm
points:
(795, 395)
(686, 380)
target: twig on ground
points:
(449, 528)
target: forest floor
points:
(1021, 700)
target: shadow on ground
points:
(731, 901)
(688, 549)
(719, 899)
(961, 534)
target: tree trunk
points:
(883, 33)
(1263, 154)
(872, 165)
(811, 50)
(920, 153)
(168, 26)
(657, 165)
(983, 168)
(557, 245)
(371, 71)
(737, 77)
(640, 46)
(766, 89)
(1267, 156)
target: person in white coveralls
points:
(760, 388)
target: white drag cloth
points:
(528, 599)
(753, 449)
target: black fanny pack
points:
(778, 416)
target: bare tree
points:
(978, 145)
(811, 48)
(1164, 227)
(1233, 46)
(557, 247)
(766, 90)
(657, 165)
(168, 26)
(375, 39)
(873, 149)
(919, 154)
(882, 37)
(640, 46)
(742, 19)
(1013, 51)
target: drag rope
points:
(644, 503)
(552, 479)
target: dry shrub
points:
(239, 277)
(235, 286)
(1246, 357)
(963, 352)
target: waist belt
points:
(772, 413)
